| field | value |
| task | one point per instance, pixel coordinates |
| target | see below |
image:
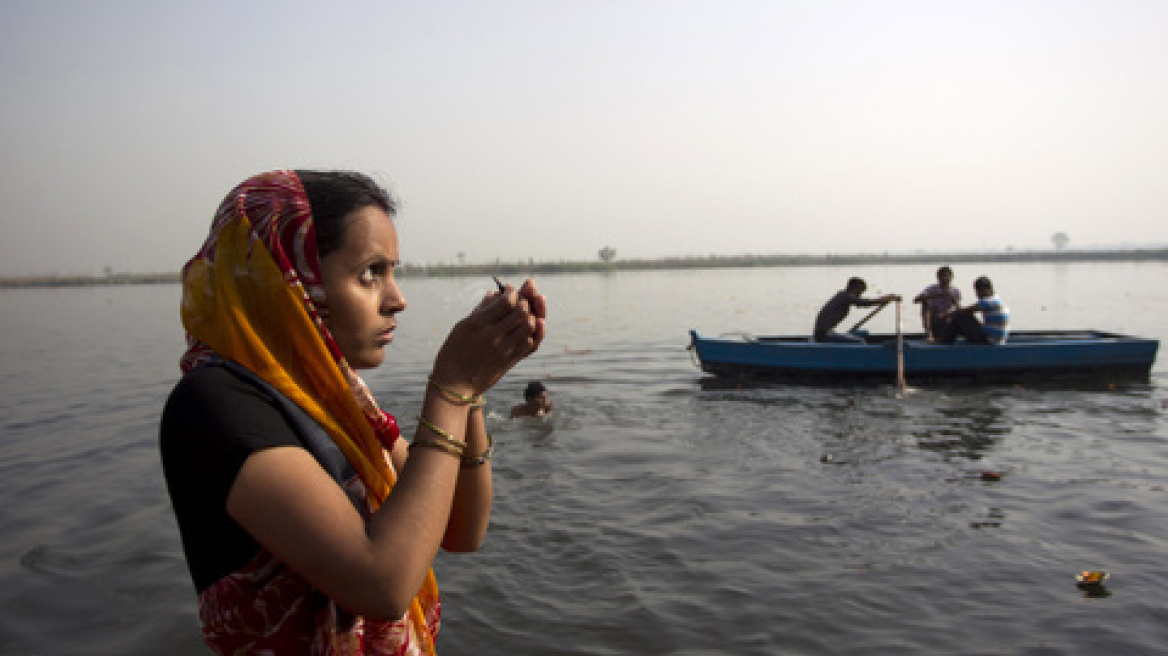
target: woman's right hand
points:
(506, 327)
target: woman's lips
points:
(386, 335)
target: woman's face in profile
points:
(362, 294)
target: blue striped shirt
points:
(996, 323)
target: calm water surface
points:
(658, 511)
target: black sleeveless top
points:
(216, 417)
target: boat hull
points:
(1028, 354)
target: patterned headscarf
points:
(253, 294)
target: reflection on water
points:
(964, 431)
(657, 511)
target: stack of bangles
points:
(474, 401)
(444, 441)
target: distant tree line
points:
(520, 268)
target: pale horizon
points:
(522, 130)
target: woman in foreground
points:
(308, 526)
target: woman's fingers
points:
(502, 330)
(495, 305)
(510, 306)
(537, 301)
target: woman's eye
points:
(367, 276)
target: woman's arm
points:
(291, 506)
(471, 512)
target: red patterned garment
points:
(253, 295)
(265, 608)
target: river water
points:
(657, 511)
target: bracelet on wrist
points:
(474, 400)
(431, 443)
(471, 462)
(441, 435)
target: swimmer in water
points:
(535, 401)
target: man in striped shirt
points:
(995, 325)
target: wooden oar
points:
(865, 319)
(900, 384)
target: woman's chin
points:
(368, 360)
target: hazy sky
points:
(519, 129)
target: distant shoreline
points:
(708, 262)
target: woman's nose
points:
(393, 300)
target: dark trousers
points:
(962, 324)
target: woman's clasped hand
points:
(504, 329)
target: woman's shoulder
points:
(214, 399)
(208, 387)
(213, 420)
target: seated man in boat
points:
(995, 325)
(836, 310)
(938, 303)
(535, 401)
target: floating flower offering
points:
(1091, 578)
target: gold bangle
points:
(470, 462)
(442, 435)
(475, 400)
(435, 444)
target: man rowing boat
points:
(837, 307)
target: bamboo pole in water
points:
(900, 384)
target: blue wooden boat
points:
(1027, 354)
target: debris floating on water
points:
(1091, 582)
(1091, 578)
